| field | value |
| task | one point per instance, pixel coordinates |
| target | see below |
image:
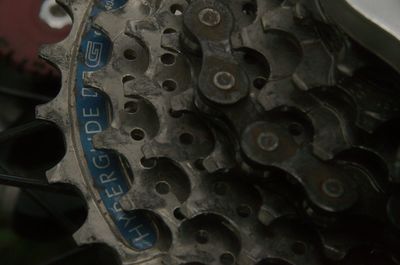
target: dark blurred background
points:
(35, 226)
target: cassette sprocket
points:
(222, 132)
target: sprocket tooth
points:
(273, 207)
(111, 23)
(96, 79)
(283, 19)
(54, 111)
(160, 185)
(311, 47)
(283, 93)
(95, 229)
(309, 74)
(57, 173)
(73, 7)
(183, 101)
(111, 139)
(222, 157)
(186, 139)
(68, 3)
(102, 22)
(67, 170)
(276, 47)
(56, 54)
(160, 204)
(59, 53)
(100, 80)
(111, 83)
(148, 33)
(218, 160)
(332, 135)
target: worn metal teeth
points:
(60, 55)
(69, 170)
(228, 169)
(307, 74)
(113, 23)
(177, 145)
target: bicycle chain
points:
(249, 135)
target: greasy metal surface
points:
(240, 136)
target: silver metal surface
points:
(375, 24)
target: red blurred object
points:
(22, 32)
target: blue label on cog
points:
(93, 117)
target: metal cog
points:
(23, 39)
(216, 132)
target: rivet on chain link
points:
(333, 188)
(224, 80)
(209, 17)
(268, 141)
